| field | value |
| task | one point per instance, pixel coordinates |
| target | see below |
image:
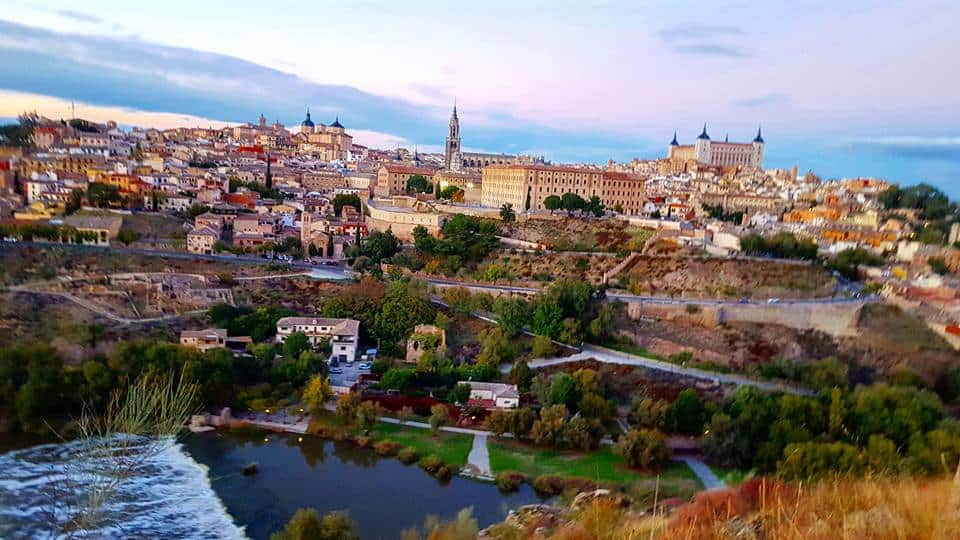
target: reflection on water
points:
(382, 495)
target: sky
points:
(844, 88)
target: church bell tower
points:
(452, 146)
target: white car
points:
(365, 365)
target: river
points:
(194, 489)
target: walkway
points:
(478, 461)
(706, 475)
(610, 356)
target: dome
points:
(336, 123)
(307, 122)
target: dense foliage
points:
(879, 428)
(783, 245)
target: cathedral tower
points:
(452, 146)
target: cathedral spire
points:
(674, 141)
(703, 134)
(759, 137)
(454, 107)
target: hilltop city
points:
(664, 341)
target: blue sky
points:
(849, 88)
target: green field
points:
(452, 448)
(601, 465)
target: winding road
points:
(610, 356)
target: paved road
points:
(610, 356)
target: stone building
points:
(706, 152)
(331, 143)
(426, 337)
(525, 186)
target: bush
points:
(430, 463)
(509, 481)
(443, 473)
(408, 455)
(363, 441)
(554, 484)
(548, 484)
(387, 447)
(643, 448)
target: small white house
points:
(493, 395)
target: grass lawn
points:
(733, 477)
(602, 465)
(452, 448)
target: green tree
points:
(811, 460)
(563, 391)
(439, 417)
(542, 347)
(103, 195)
(643, 449)
(75, 201)
(507, 214)
(306, 524)
(548, 430)
(451, 193)
(316, 393)
(521, 375)
(418, 183)
(347, 406)
(938, 265)
(595, 206)
(552, 202)
(571, 202)
(127, 237)
(368, 414)
(460, 393)
(582, 433)
(294, 344)
(346, 199)
(686, 413)
(403, 309)
(512, 314)
(648, 412)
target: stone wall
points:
(837, 320)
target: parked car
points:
(336, 371)
(365, 365)
(773, 300)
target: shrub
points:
(553, 484)
(430, 463)
(408, 455)
(443, 473)
(548, 484)
(363, 441)
(508, 481)
(643, 448)
(387, 447)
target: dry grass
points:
(870, 509)
(885, 508)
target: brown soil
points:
(729, 278)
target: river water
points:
(194, 488)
